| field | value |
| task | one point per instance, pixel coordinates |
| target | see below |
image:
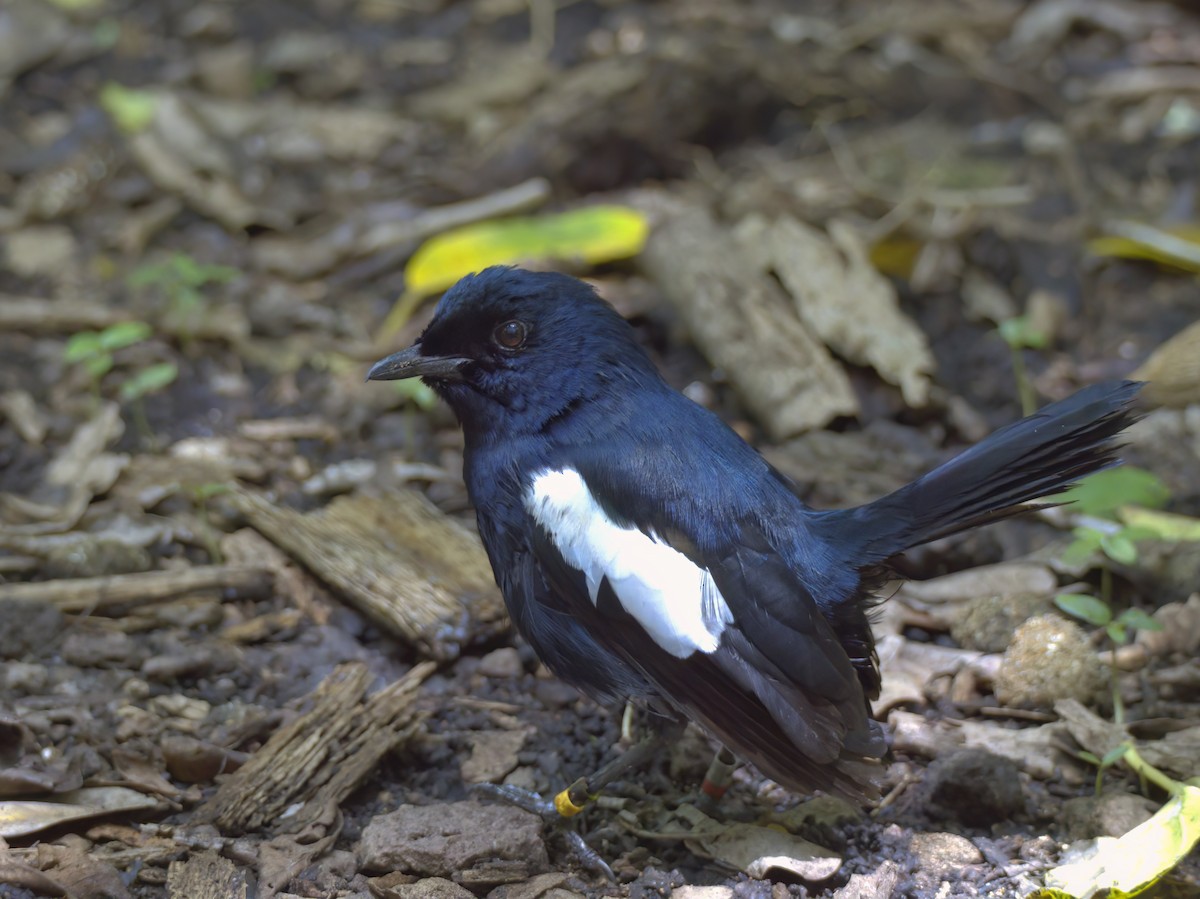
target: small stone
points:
(688, 891)
(988, 623)
(939, 855)
(427, 888)
(533, 888)
(23, 677)
(103, 649)
(554, 694)
(45, 250)
(1049, 659)
(976, 787)
(503, 662)
(193, 662)
(493, 755)
(28, 628)
(441, 840)
(493, 872)
(1109, 815)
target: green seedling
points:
(182, 281)
(93, 350)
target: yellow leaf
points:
(587, 236)
(896, 256)
(1160, 525)
(590, 236)
(132, 110)
(1177, 245)
(1136, 860)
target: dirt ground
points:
(249, 644)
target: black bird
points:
(646, 551)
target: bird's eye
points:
(511, 334)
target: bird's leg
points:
(575, 798)
(570, 802)
(717, 779)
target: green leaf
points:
(124, 334)
(207, 491)
(80, 346)
(1139, 858)
(1020, 334)
(1176, 245)
(132, 110)
(1117, 631)
(417, 393)
(1085, 608)
(1104, 492)
(1138, 619)
(1150, 523)
(1115, 755)
(149, 380)
(1090, 757)
(591, 235)
(1119, 548)
(1087, 541)
(149, 273)
(98, 366)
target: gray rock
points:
(442, 840)
(28, 628)
(988, 623)
(502, 662)
(100, 649)
(531, 889)
(1109, 815)
(940, 856)
(976, 787)
(430, 888)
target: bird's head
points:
(512, 350)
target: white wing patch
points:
(675, 600)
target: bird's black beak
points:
(411, 363)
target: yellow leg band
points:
(565, 805)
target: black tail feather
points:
(1041, 455)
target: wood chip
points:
(397, 559)
(207, 875)
(93, 594)
(317, 760)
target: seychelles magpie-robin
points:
(646, 551)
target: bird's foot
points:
(557, 812)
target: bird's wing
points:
(731, 637)
(544, 613)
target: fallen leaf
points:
(1160, 525)
(842, 298)
(758, 850)
(1177, 245)
(591, 235)
(1133, 862)
(587, 236)
(20, 818)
